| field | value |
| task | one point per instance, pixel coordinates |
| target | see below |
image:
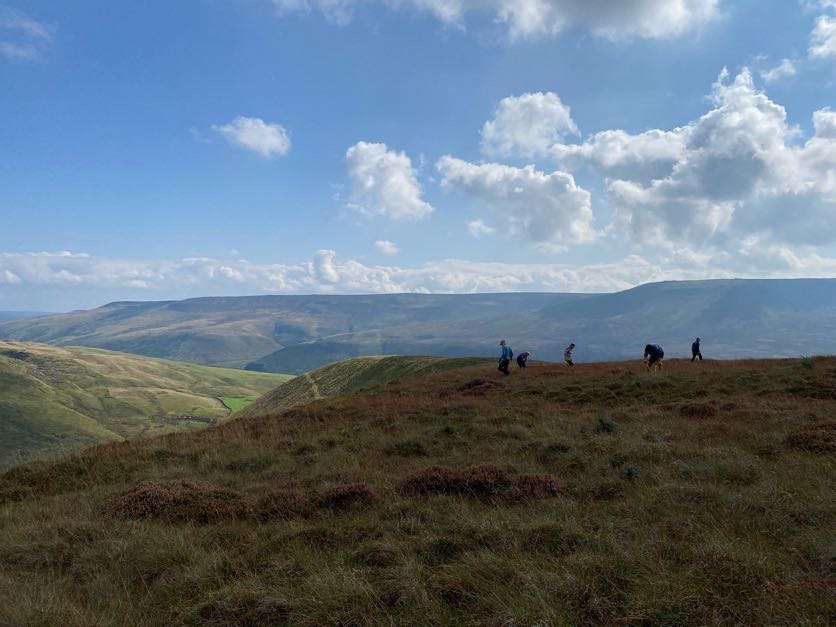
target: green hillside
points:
(58, 399)
(601, 495)
(347, 376)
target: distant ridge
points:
(735, 318)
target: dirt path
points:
(314, 386)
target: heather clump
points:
(179, 501)
(346, 495)
(815, 438)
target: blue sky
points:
(166, 150)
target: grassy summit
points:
(57, 399)
(602, 495)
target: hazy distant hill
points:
(18, 315)
(235, 331)
(735, 318)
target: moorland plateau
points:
(422, 494)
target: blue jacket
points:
(507, 353)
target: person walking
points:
(653, 355)
(505, 357)
(567, 355)
(522, 358)
(695, 350)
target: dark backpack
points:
(659, 352)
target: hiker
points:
(505, 357)
(695, 350)
(653, 355)
(567, 355)
(522, 358)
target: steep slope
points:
(347, 376)
(57, 399)
(602, 495)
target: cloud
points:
(478, 228)
(85, 280)
(527, 125)
(523, 19)
(782, 70)
(387, 247)
(263, 138)
(9, 277)
(739, 172)
(22, 37)
(823, 38)
(337, 11)
(617, 154)
(384, 182)
(550, 210)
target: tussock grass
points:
(419, 502)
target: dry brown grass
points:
(511, 507)
(815, 438)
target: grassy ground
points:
(704, 495)
(56, 399)
(237, 403)
(349, 375)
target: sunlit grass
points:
(701, 495)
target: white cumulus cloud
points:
(550, 210)
(478, 228)
(782, 70)
(254, 134)
(387, 247)
(527, 125)
(739, 172)
(823, 38)
(651, 19)
(618, 154)
(384, 182)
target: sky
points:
(166, 150)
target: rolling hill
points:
(234, 331)
(295, 334)
(53, 399)
(18, 315)
(342, 377)
(602, 495)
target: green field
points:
(237, 403)
(601, 495)
(54, 399)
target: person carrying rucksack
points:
(567, 354)
(695, 350)
(505, 357)
(653, 355)
(522, 358)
